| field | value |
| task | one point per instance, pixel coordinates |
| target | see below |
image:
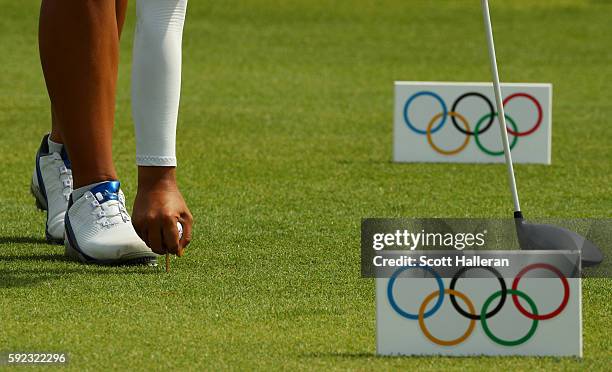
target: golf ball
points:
(180, 229)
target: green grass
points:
(284, 145)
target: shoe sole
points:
(136, 259)
(42, 205)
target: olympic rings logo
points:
(482, 125)
(484, 314)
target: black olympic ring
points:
(502, 300)
(487, 126)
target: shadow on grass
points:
(26, 255)
(21, 277)
(21, 240)
(27, 268)
(29, 255)
(35, 257)
(12, 281)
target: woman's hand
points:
(159, 205)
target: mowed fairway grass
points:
(284, 144)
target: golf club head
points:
(548, 237)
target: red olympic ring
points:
(538, 107)
(566, 291)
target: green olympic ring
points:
(481, 146)
(485, 327)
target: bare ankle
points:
(93, 178)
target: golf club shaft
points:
(500, 106)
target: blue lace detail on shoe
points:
(109, 191)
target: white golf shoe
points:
(99, 229)
(51, 186)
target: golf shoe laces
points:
(65, 175)
(110, 212)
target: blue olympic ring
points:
(405, 314)
(425, 93)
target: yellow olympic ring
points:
(453, 292)
(458, 149)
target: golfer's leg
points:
(156, 84)
(120, 12)
(78, 42)
(52, 180)
(79, 53)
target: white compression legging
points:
(156, 79)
